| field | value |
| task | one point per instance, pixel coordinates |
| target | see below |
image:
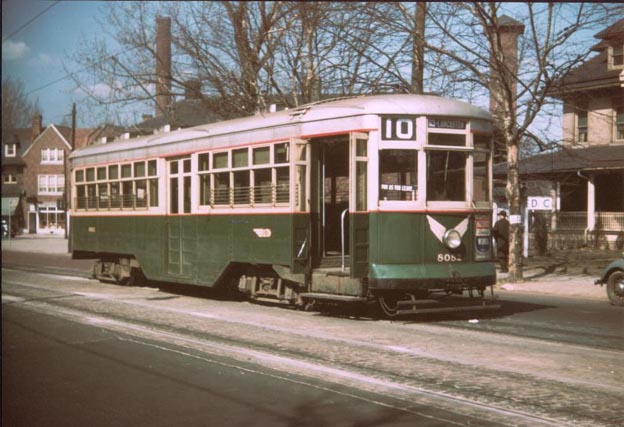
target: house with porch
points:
(586, 176)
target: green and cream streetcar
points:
(381, 198)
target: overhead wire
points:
(30, 21)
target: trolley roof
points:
(323, 110)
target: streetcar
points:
(380, 199)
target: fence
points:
(570, 231)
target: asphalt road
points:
(59, 372)
(77, 347)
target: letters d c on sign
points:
(539, 203)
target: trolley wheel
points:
(615, 288)
(389, 306)
(133, 280)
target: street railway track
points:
(291, 351)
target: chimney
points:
(163, 65)
(36, 126)
(508, 30)
(192, 89)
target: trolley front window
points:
(446, 175)
(398, 174)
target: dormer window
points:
(616, 56)
(10, 150)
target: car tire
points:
(615, 288)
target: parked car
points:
(613, 277)
(5, 229)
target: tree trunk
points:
(514, 200)
(418, 49)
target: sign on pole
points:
(534, 204)
(540, 203)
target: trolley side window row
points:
(248, 176)
(125, 186)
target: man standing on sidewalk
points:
(501, 234)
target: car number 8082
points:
(449, 258)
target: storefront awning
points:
(9, 204)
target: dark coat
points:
(501, 233)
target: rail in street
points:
(509, 380)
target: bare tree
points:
(17, 109)
(551, 44)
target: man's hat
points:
(502, 213)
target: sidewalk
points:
(46, 244)
(569, 274)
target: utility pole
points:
(67, 174)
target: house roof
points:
(600, 158)
(595, 73)
(60, 131)
(185, 113)
(613, 32)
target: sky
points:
(35, 52)
(38, 39)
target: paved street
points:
(59, 372)
(451, 373)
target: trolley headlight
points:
(452, 239)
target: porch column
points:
(555, 194)
(591, 204)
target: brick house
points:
(44, 179)
(33, 175)
(586, 175)
(13, 178)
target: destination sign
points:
(447, 124)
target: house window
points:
(581, 126)
(9, 178)
(51, 184)
(616, 57)
(10, 150)
(52, 156)
(619, 123)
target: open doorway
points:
(331, 198)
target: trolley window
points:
(398, 174)
(446, 175)
(481, 168)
